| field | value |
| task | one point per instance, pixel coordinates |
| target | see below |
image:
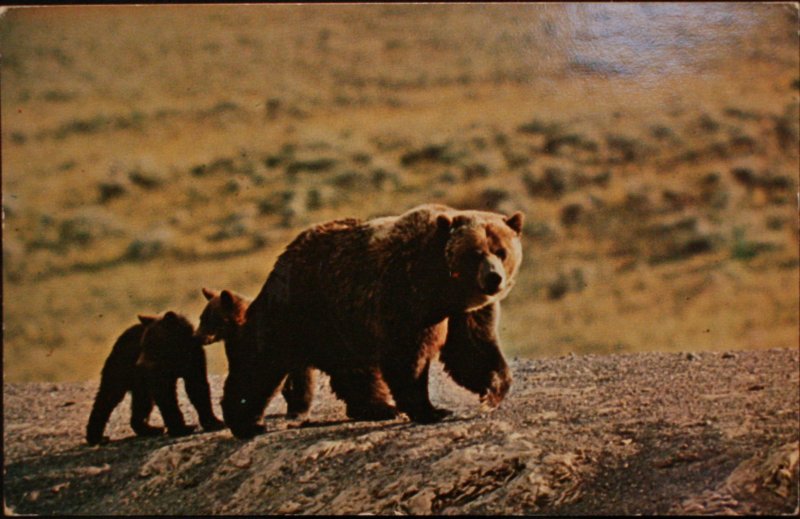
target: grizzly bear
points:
(222, 319)
(147, 360)
(371, 303)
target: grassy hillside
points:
(150, 151)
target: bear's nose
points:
(491, 283)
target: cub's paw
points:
(95, 440)
(147, 430)
(183, 430)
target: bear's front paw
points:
(497, 390)
(182, 430)
(214, 424)
(148, 430)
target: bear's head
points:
(483, 254)
(222, 317)
(165, 337)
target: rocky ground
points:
(651, 433)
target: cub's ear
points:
(226, 298)
(147, 319)
(210, 294)
(515, 221)
(170, 316)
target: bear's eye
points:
(501, 253)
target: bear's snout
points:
(204, 338)
(490, 277)
(491, 283)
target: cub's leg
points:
(163, 387)
(141, 407)
(298, 391)
(116, 379)
(112, 391)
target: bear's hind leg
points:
(298, 391)
(141, 407)
(364, 392)
(109, 395)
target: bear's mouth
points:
(206, 338)
(479, 301)
(481, 298)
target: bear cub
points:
(147, 360)
(223, 319)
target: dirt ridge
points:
(637, 433)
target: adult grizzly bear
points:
(371, 303)
(147, 360)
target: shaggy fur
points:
(147, 360)
(371, 304)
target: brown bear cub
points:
(147, 360)
(371, 303)
(223, 319)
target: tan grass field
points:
(150, 151)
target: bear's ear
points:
(226, 298)
(170, 316)
(443, 223)
(460, 221)
(515, 221)
(210, 294)
(147, 319)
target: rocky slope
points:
(619, 434)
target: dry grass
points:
(150, 151)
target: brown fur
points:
(223, 318)
(147, 360)
(372, 303)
